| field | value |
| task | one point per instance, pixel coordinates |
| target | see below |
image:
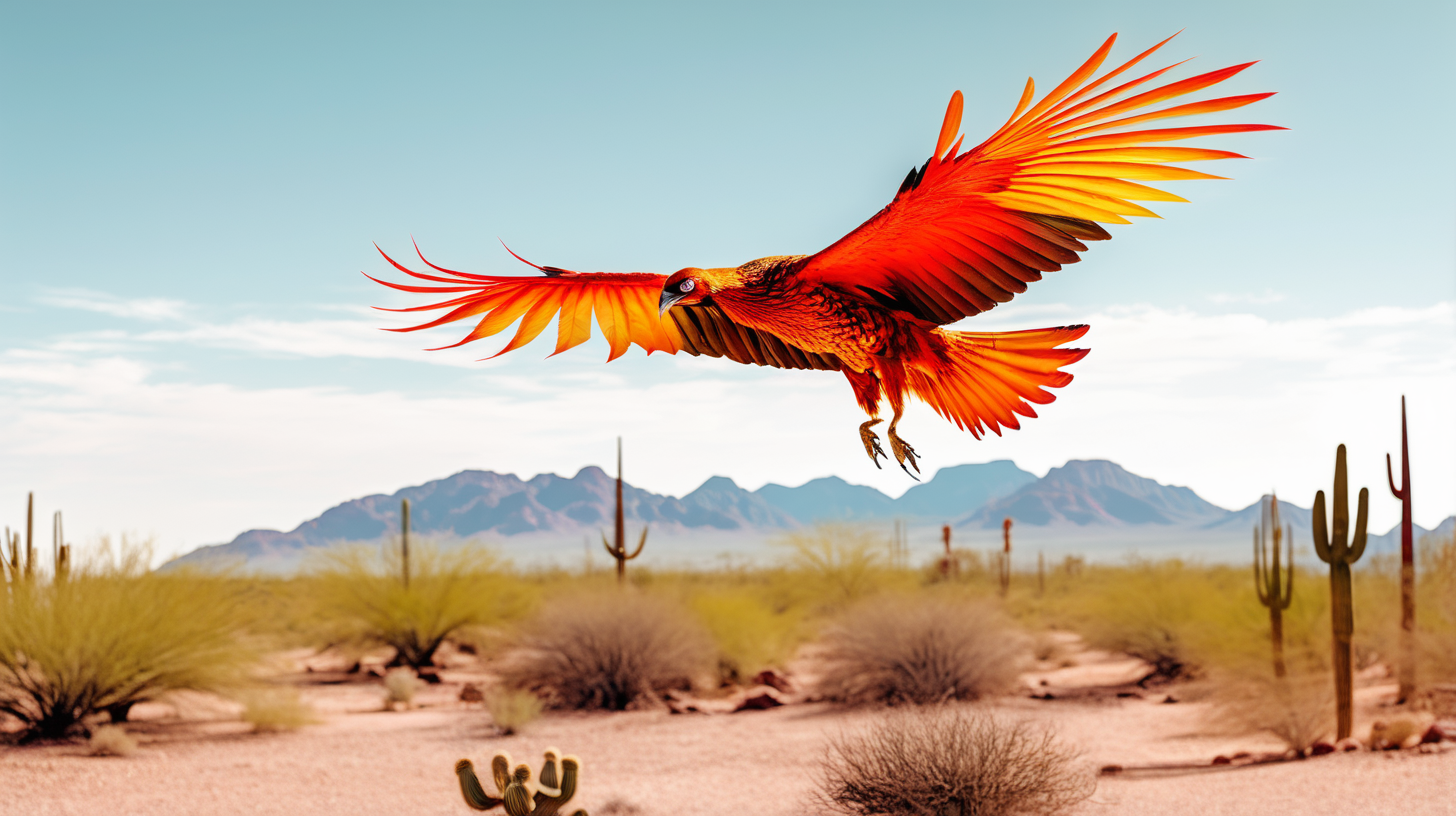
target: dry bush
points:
(276, 709)
(607, 649)
(111, 740)
(400, 686)
(362, 593)
(512, 711)
(1299, 710)
(112, 634)
(920, 650)
(949, 760)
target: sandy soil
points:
(195, 757)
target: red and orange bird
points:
(965, 231)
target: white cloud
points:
(1264, 298)
(152, 309)
(1230, 405)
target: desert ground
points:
(195, 756)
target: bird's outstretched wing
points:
(969, 230)
(625, 306)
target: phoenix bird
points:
(964, 232)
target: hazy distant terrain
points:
(1092, 508)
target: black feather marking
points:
(908, 183)
(552, 271)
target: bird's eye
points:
(686, 286)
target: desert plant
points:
(919, 650)
(836, 562)
(1274, 590)
(400, 687)
(111, 635)
(945, 760)
(618, 548)
(608, 650)
(750, 635)
(511, 710)
(276, 708)
(1407, 670)
(1295, 709)
(361, 593)
(1340, 554)
(515, 790)
(1004, 574)
(112, 741)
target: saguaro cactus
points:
(515, 789)
(1040, 574)
(618, 549)
(1407, 672)
(1333, 550)
(60, 550)
(1273, 592)
(404, 567)
(1005, 573)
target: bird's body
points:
(964, 232)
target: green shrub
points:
(113, 634)
(749, 634)
(949, 760)
(832, 565)
(277, 708)
(361, 593)
(920, 650)
(607, 650)
(400, 687)
(512, 710)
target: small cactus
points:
(1274, 593)
(404, 513)
(618, 549)
(516, 793)
(1339, 552)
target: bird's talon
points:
(872, 441)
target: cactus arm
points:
(640, 544)
(500, 770)
(610, 550)
(549, 805)
(518, 800)
(1317, 522)
(1390, 476)
(475, 795)
(1357, 543)
(547, 782)
(1259, 578)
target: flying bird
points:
(964, 232)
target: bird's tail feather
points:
(984, 379)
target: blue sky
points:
(188, 193)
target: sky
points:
(189, 192)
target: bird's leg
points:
(871, 441)
(900, 447)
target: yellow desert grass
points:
(113, 633)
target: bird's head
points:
(685, 287)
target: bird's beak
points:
(668, 299)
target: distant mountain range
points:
(1079, 497)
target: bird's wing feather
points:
(625, 306)
(970, 230)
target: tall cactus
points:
(515, 789)
(1273, 592)
(60, 550)
(618, 549)
(1333, 549)
(1407, 671)
(1005, 564)
(404, 560)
